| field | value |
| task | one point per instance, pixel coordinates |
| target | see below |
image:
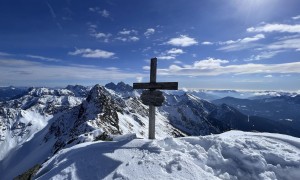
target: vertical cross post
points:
(152, 97)
(152, 107)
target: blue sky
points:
(213, 44)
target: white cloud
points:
(268, 76)
(170, 54)
(128, 32)
(296, 17)
(43, 58)
(101, 36)
(89, 53)
(129, 39)
(276, 28)
(128, 35)
(207, 43)
(213, 67)
(125, 32)
(175, 51)
(149, 32)
(183, 41)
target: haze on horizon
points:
(207, 44)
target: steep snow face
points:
(21, 118)
(232, 155)
(134, 119)
(189, 113)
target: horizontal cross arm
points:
(157, 85)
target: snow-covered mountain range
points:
(38, 123)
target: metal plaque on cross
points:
(152, 96)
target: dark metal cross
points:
(152, 97)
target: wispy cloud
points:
(183, 41)
(139, 79)
(263, 55)
(22, 72)
(213, 67)
(5, 54)
(133, 38)
(149, 32)
(90, 53)
(240, 44)
(285, 44)
(296, 17)
(244, 40)
(276, 28)
(43, 58)
(53, 14)
(103, 12)
(16, 63)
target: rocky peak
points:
(120, 87)
(78, 90)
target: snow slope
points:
(231, 155)
(22, 118)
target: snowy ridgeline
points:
(231, 155)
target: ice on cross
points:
(152, 96)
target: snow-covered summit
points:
(231, 155)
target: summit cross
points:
(152, 96)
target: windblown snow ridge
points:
(231, 155)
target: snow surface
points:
(231, 155)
